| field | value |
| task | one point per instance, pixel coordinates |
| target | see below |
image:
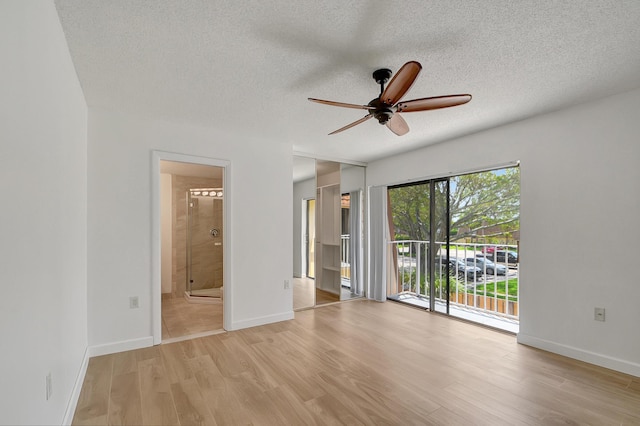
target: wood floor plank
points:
(228, 355)
(155, 394)
(125, 362)
(291, 407)
(228, 364)
(124, 400)
(193, 348)
(148, 353)
(379, 389)
(294, 374)
(303, 293)
(374, 403)
(175, 362)
(255, 404)
(225, 408)
(332, 411)
(190, 405)
(252, 365)
(488, 398)
(359, 362)
(93, 402)
(445, 417)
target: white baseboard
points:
(254, 322)
(601, 360)
(75, 392)
(125, 345)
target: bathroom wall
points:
(180, 186)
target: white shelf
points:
(328, 224)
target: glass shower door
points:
(204, 242)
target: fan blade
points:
(340, 104)
(436, 102)
(397, 125)
(355, 123)
(400, 83)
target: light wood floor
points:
(181, 318)
(354, 363)
(324, 297)
(303, 293)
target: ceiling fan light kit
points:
(386, 107)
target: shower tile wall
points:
(180, 186)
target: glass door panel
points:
(410, 217)
(419, 231)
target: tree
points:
(487, 201)
(481, 204)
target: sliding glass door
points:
(453, 246)
(419, 229)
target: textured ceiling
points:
(249, 66)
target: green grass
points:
(498, 289)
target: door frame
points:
(156, 257)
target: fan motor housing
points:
(382, 111)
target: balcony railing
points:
(345, 260)
(480, 277)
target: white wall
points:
(119, 224)
(43, 308)
(580, 204)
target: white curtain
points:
(355, 242)
(378, 231)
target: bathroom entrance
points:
(192, 249)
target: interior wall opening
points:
(192, 205)
(328, 236)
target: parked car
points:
(487, 266)
(491, 249)
(459, 268)
(505, 256)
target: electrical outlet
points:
(598, 314)
(286, 285)
(49, 387)
(133, 302)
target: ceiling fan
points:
(386, 107)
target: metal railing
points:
(481, 277)
(345, 259)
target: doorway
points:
(454, 246)
(189, 259)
